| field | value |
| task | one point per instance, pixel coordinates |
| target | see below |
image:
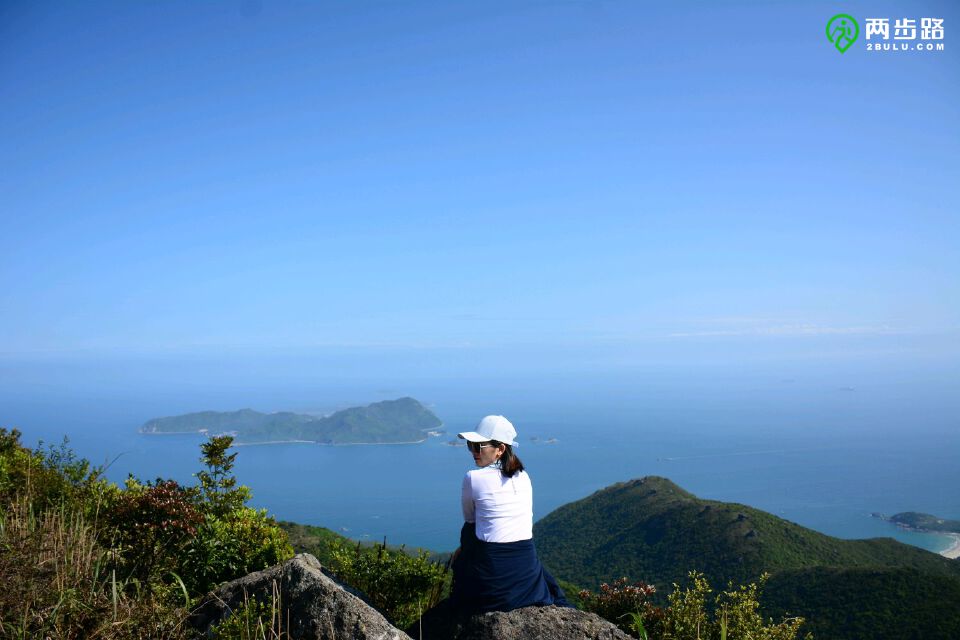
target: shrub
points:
(203, 535)
(738, 615)
(154, 523)
(691, 614)
(233, 539)
(50, 477)
(626, 605)
(244, 541)
(400, 585)
(735, 614)
(687, 617)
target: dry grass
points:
(59, 583)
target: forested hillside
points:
(652, 530)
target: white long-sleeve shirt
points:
(501, 507)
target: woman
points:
(496, 567)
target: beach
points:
(954, 551)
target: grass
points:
(254, 620)
(59, 582)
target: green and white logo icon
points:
(842, 31)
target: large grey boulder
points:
(529, 623)
(313, 605)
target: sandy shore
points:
(324, 444)
(254, 444)
(954, 551)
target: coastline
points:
(170, 433)
(254, 444)
(954, 551)
(352, 444)
(324, 444)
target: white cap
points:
(492, 428)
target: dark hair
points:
(510, 464)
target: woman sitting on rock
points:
(496, 567)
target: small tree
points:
(233, 539)
(218, 486)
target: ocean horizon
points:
(827, 465)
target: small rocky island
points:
(389, 422)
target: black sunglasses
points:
(477, 447)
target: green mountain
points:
(650, 529)
(392, 421)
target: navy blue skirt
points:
(500, 576)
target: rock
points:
(529, 623)
(313, 605)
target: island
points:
(927, 523)
(399, 421)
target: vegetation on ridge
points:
(883, 603)
(83, 557)
(86, 558)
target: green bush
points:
(50, 476)
(400, 585)
(154, 523)
(233, 539)
(244, 541)
(692, 613)
(734, 616)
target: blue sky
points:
(597, 183)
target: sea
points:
(817, 451)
